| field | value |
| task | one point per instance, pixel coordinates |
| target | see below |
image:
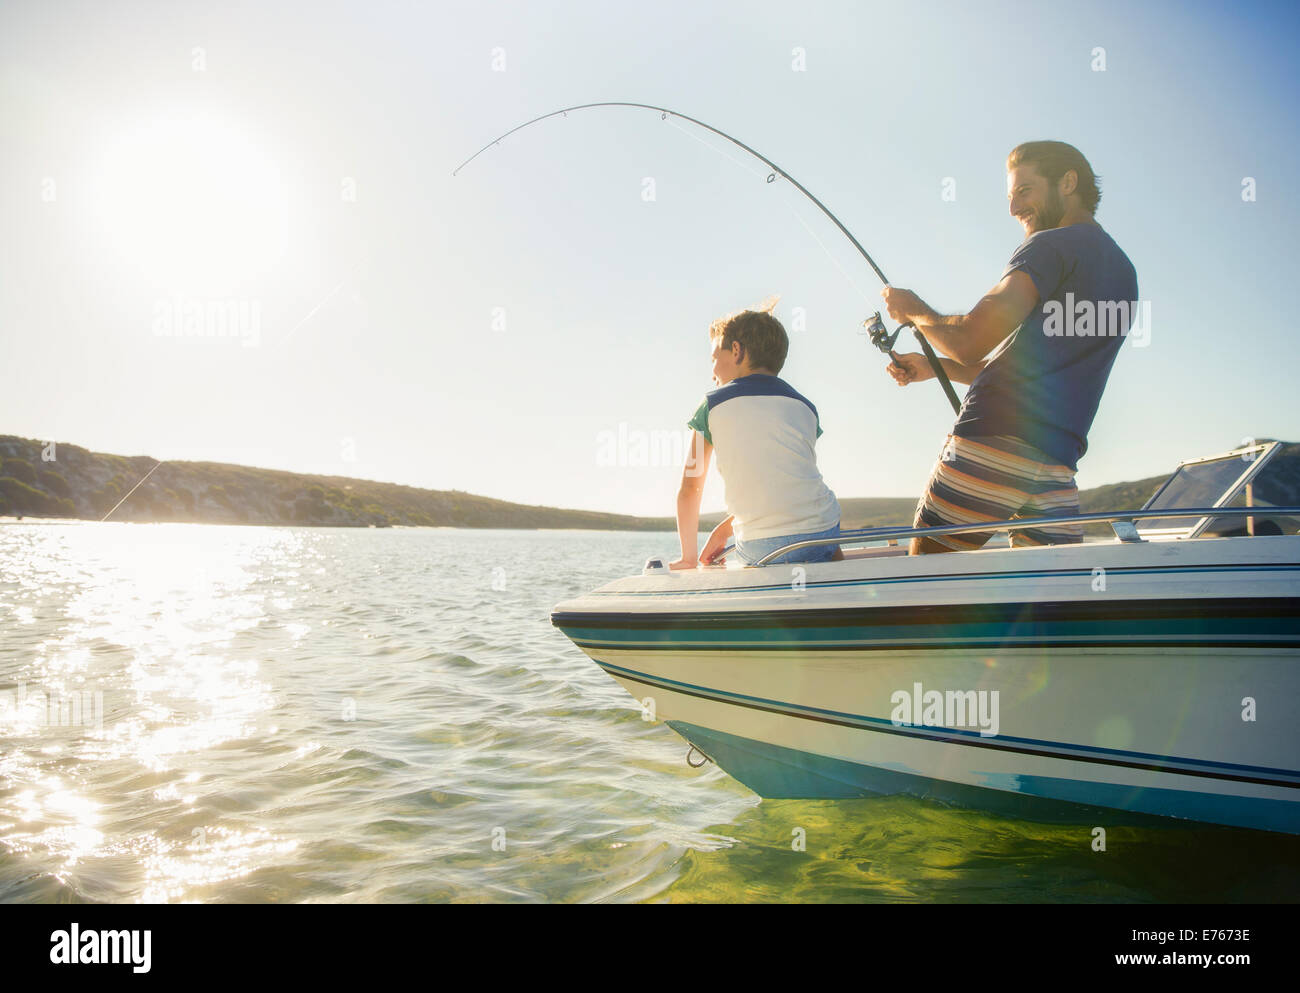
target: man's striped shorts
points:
(996, 479)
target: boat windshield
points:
(1214, 481)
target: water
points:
(297, 714)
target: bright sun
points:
(191, 204)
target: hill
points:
(79, 484)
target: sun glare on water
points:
(154, 638)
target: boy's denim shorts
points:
(751, 551)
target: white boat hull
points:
(1159, 679)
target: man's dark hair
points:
(762, 338)
(1053, 159)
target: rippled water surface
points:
(285, 714)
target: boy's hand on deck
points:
(713, 548)
(717, 542)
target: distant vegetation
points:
(80, 484)
(86, 485)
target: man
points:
(1036, 371)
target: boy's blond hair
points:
(762, 338)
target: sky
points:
(231, 231)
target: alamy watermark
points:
(83, 709)
(920, 707)
(102, 947)
(1098, 319)
(186, 317)
(627, 447)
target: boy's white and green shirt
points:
(763, 434)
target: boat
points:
(1152, 672)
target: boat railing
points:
(1121, 522)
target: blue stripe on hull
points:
(1243, 622)
(1073, 751)
(776, 772)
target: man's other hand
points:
(911, 367)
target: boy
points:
(764, 433)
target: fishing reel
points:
(875, 329)
(880, 337)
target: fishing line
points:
(789, 206)
(128, 493)
(713, 148)
(834, 261)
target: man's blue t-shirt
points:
(1044, 382)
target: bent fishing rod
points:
(875, 326)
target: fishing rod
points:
(874, 325)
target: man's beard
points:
(1052, 213)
